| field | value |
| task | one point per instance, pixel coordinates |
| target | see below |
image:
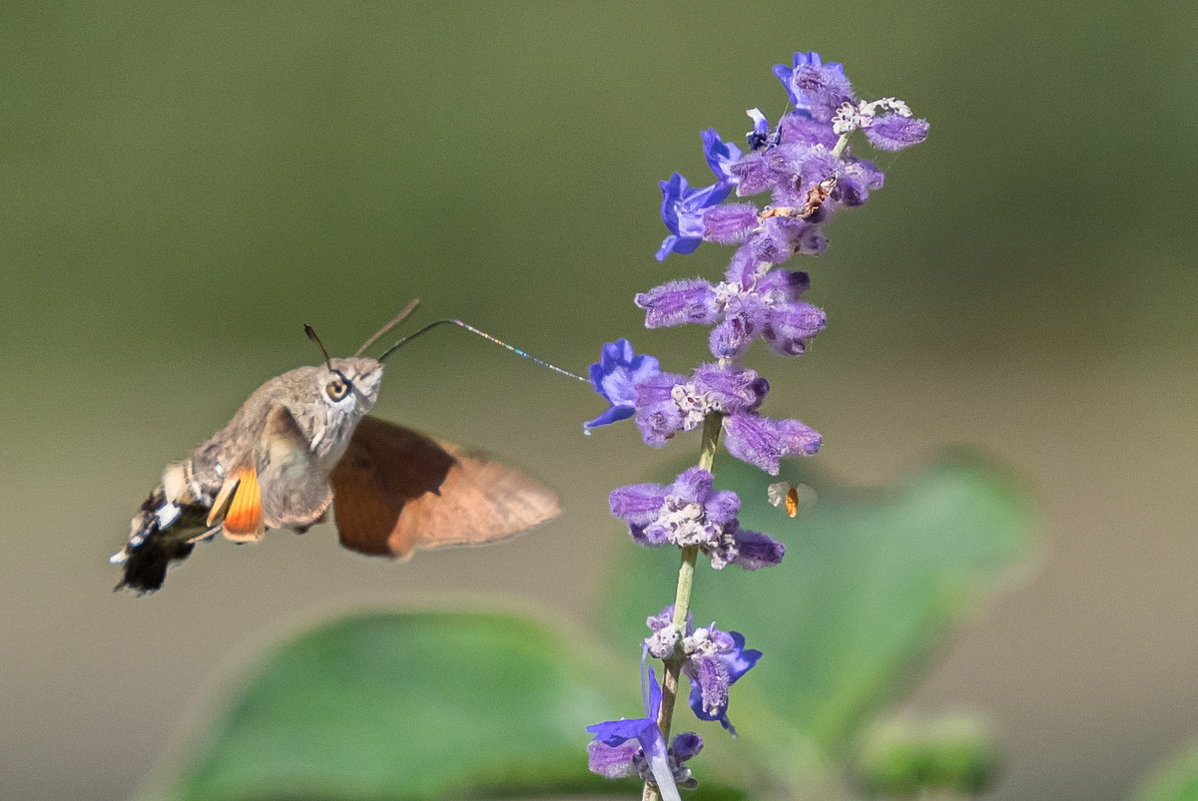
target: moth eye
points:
(336, 390)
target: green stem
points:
(682, 597)
(841, 144)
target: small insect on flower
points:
(816, 196)
(792, 497)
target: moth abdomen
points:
(161, 532)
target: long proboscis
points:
(396, 320)
(485, 336)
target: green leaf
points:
(870, 583)
(411, 706)
(1176, 781)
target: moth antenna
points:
(485, 336)
(311, 332)
(399, 318)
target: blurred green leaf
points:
(871, 582)
(1177, 780)
(900, 757)
(410, 706)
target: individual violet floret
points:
(813, 86)
(689, 513)
(895, 132)
(713, 660)
(615, 377)
(682, 209)
(720, 155)
(636, 747)
(763, 441)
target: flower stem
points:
(841, 144)
(682, 596)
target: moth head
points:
(349, 386)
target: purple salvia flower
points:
(613, 734)
(789, 326)
(857, 179)
(742, 270)
(637, 504)
(658, 413)
(668, 403)
(717, 660)
(895, 132)
(777, 240)
(813, 86)
(747, 305)
(745, 311)
(731, 388)
(686, 746)
(664, 635)
(729, 224)
(806, 168)
(682, 211)
(760, 137)
(612, 761)
(720, 155)
(713, 660)
(750, 550)
(732, 336)
(687, 518)
(763, 441)
(770, 307)
(687, 513)
(615, 377)
(812, 242)
(689, 300)
(779, 286)
(800, 128)
(754, 173)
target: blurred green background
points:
(182, 186)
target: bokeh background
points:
(182, 186)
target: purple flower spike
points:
(720, 659)
(895, 132)
(682, 211)
(720, 155)
(763, 442)
(613, 734)
(615, 377)
(813, 86)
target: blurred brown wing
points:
(397, 491)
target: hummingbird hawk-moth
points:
(303, 441)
